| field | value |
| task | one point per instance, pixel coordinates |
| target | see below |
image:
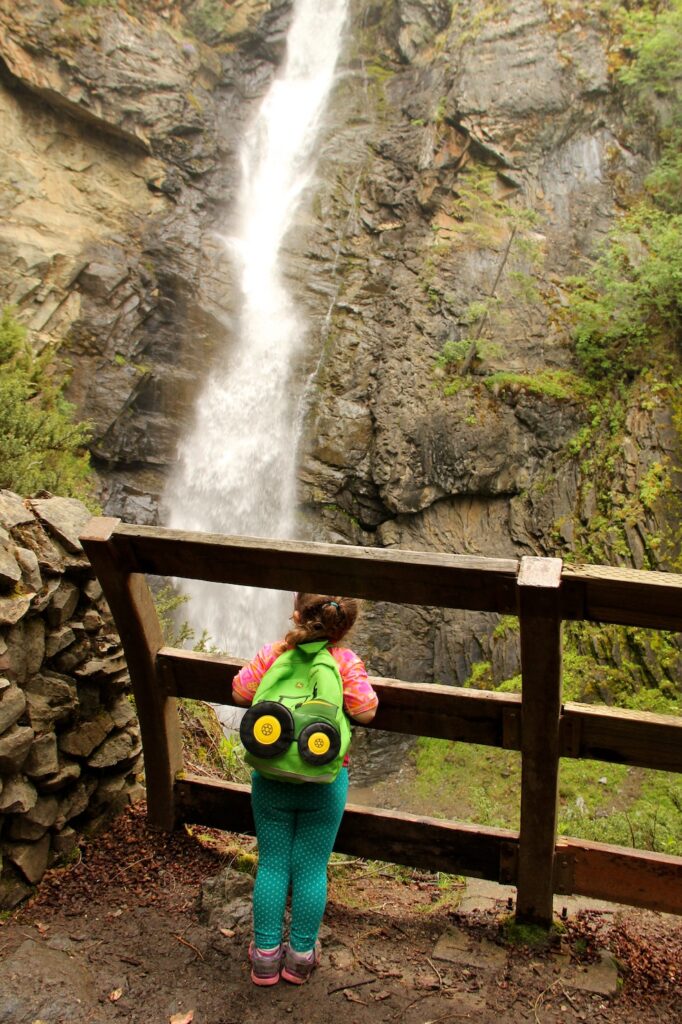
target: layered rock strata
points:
(475, 157)
(70, 749)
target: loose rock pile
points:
(70, 744)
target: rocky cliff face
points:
(477, 160)
(119, 168)
(475, 157)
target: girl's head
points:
(321, 617)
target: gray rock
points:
(13, 889)
(109, 789)
(600, 977)
(102, 669)
(58, 691)
(44, 811)
(75, 801)
(122, 713)
(89, 702)
(63, 603)
(12, 705)
(50, 555)
(10, 570)
(64, 842)
(30, 570)
(25, 648)
(67, 772)
(225, 901)
(50, 698)
(92, 621)
(42, 758)
(73, 656)
(40, 713)
(20, 830)
(34, 641)
(58, 639)
(44, 595)
(18, 796)
(15, 656)
(82, 739)
(66, 991)
(459, 947)
(12, 609)
(13, 512)
(119, 749)
(64, 519)
(14, 747)
(93, 590)
(415, 23)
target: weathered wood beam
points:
(403, 577)
(600, 871)
(590, 592)
(540, 621)
(638, 738)
(620, 875)
(425, 709)
(428, 843)
(542, 595)
(629, 597)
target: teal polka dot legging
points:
(296, 827)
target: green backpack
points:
(296, 729)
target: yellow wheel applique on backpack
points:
(318, 743)
(267, 730)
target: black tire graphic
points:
(319, 743)
(267, 729)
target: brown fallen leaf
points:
(182, 1018)
(353, 997)
(115, 995)
(42, 928)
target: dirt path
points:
(117, 937)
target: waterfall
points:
(236, 468)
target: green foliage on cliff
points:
(628, 310)
(91, 3)
(41, 446)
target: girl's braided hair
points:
(322, 617)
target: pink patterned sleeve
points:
(245, 683)
(358, 695)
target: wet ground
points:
(122, 935)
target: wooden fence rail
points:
(540, 591)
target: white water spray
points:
(236, 471)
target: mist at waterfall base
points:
(236, 468)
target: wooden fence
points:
(543, 594)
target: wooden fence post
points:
(135, 616)
(538, 581)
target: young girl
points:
(296, 823)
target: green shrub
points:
(42, 447)
(210, 20)
(628, 310)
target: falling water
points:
(236, 469)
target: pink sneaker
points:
(265, 967)
(299, 966)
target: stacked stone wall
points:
(70, 750)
